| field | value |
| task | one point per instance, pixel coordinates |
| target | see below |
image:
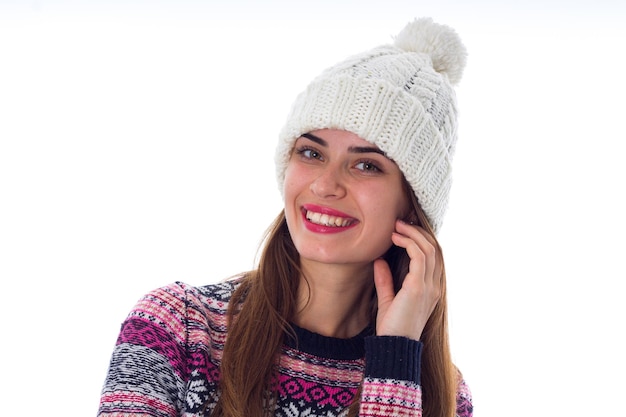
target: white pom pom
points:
(440, 42)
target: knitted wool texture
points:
(399, 97)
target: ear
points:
(411, 218)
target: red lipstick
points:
(316, 227)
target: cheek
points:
(403, 202)
(292, 182)
(395, 206)
(383, 216)
(295, 184)
(404, 208)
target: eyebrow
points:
(353, 149)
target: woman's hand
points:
(406, 313)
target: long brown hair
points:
(258, 325)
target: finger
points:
(433, 246)
(419, 234)
(425, 257)
(383, 282)
(421, 254)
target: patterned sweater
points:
(166, 364)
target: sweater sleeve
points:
(148, 368)
(464, 406)
(392, 376)
(391, 386)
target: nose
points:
(329, 183)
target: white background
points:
(136, 149)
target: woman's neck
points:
(334, 300)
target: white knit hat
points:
(398, 97)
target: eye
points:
(368, 166)
(308, 153)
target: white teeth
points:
(327, 220)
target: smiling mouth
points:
(328, 220)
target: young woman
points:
(346, 312)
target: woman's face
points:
(342, 198)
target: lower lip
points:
(318, 228)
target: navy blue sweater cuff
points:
(393, 357)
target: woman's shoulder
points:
(181, 293)
(179, 302)
(218, 292)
